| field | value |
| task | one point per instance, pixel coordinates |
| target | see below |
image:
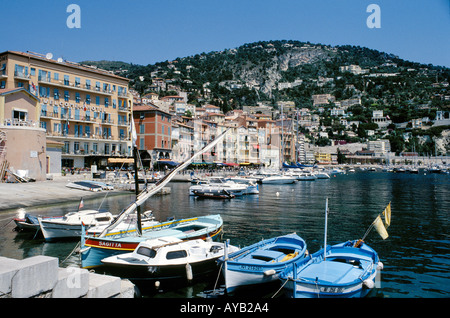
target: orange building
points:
(153, 130)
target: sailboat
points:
(345, 270)
(111, 242)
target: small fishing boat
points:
(343, 270)
(261, 262)
(27, 223)
(167, 259)
(70, 225)
(96, 248)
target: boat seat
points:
(264, 256)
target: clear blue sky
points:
(149, 31)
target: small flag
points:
(387, 215)
(378, 224)
(133, 131)
(81, 204)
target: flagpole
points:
(326, 229)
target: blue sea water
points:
(416, 255)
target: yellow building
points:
(323, 158)
(85, 108)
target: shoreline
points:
(48, 192)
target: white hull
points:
(234, 279)
(52, 230)
(279, 180)
(305, 290)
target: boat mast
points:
(326, 228)
(136, 188)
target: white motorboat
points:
(216, 184)
(127, 225)
(167, 258)
(85, 185)
(70, 225)
(279, 179)
(321, 175)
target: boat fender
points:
(270, 272)
(189, 273)
(157, 284)
(380, 266)
(369, 283)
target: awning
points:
(231, 164)
(167, 163)
(120, 160)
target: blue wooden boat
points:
(261, 262)
(342, 270)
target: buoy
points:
(380, 266)
(189, 274)
(270, 272)
(369, 283)
(157, 283)
(278, 194)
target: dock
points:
(40, 193)
(41, 277)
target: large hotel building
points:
(84, 110)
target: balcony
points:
(73, 85)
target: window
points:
(77, 97)
(176, 254)
(105, 87)
(56, 93)
(95, 148)
(97, 86)
(141, 144)
(32, 71)
(106, 101)
(66, 96)
(141, 129)
(77, 82)
(86, 147)
(88, 99)
(97, 100)
(66, 80)
(21, 71)
(43, 124)
(76, 147)
(56, 76)
(2, 84)
(88, 84)
(114, 103)
(106, 149)
(145, 251)
(55, 110)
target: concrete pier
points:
(41, 277)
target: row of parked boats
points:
(187, 249)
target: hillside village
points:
(352, 113)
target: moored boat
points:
(342, 270)
(70, 225)
(279, 179)
(261, 262)
(94, 249)
(167, 259)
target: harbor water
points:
(416, 255)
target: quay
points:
(41, 277)
(39, 193)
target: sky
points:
(149, 31)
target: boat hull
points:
(54, 231)
(143, 274)
(346, 272)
